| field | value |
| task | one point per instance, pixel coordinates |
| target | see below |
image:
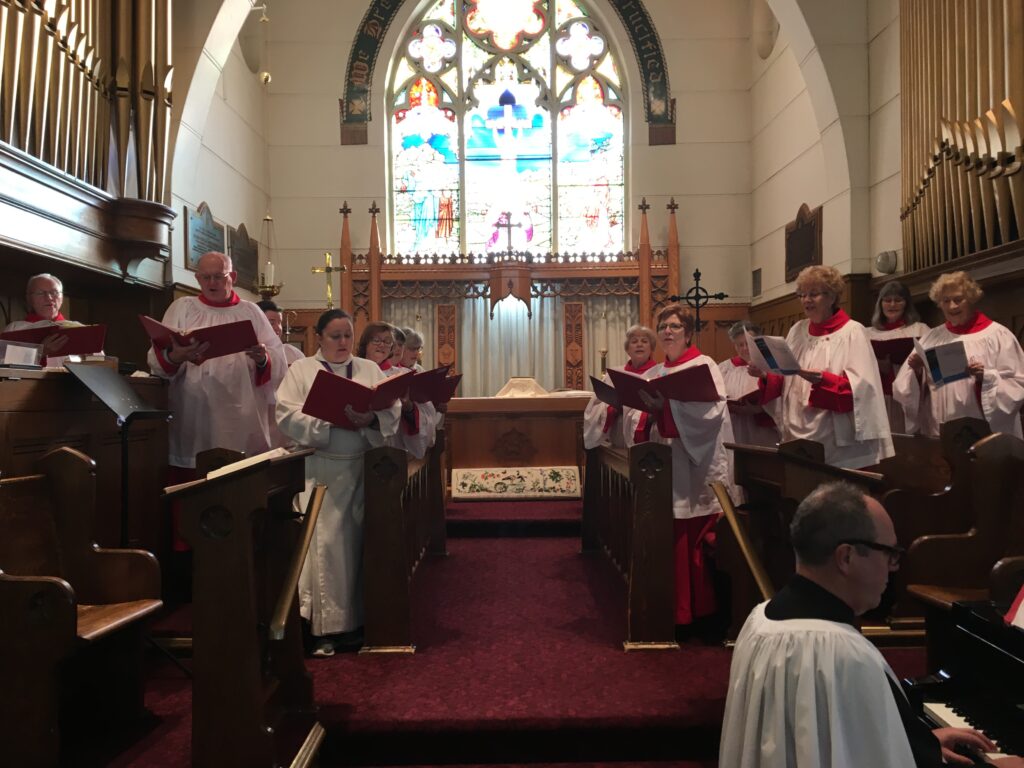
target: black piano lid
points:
(986, 648)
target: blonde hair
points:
(952, 281)
(640, 330)
(828, 278)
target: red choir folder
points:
(224, 339)
(82, 339)
(450, 385)
(429, 386)
(894, 350)
(606, 392)
(330, 394)
(694, 385)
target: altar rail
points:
(627, 513)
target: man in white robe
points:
(222, 402)
(44, 296)
(806, 688)
(291, 354)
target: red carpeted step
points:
(552, 510)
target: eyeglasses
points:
(381, 342)
(48, 294)
(212, 278)
(894, 552)
(809, 294)
(947, 300)
(674, 327)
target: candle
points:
(270, 272)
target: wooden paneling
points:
(447, 349)
(777, 316)
(713, 340)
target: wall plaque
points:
(202, 234)
(803, 241)
(245, 256)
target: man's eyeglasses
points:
(674, 327)
(894, 552)
(48, 294)
(381, 342)
(212, 278)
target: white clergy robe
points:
(221, 403)
(897, 420)
(741, 387)
(999, 398)
(330, 585)
(810, 692)
(852, 439)
(621, 432)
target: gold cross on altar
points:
(327, 270)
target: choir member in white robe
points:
(291, 354)
(995, 389)
(894, 318)
(836, 399)
(410, 361)
(330, 585)
(696, 432)
(416, 433)
(751, 425)
(605, 424)
(222, 402)
(805, 687)
(44, 296)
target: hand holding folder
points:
(687, 385)
(81, 339)
(330, 394)
(224, 339)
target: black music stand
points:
(113, 391)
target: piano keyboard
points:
(943, 716)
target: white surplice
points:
(330, 586)
(418, 442)
(897, 419)
(699, 456)
(1002, 386)
(859, 438)
(621, 432)
(218, 404)
(277, 438)
(738, 385)
(809, 692)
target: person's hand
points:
(442, 407)
(951, 738)
(258, 354)
(976, 368)
(358, 418)
(915, 362)
(814, 377)
(192, 352)
(407, 404)
(652, 403)
(53, 344)
(744, 409)
(756, 372)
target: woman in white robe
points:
(696, 432)
(751, 425)
(410, 361)
(994, 391)
(894, 318)
(417, 430)
(836, 398)
(605, 424)
(330, 586)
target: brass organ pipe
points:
(32, 32)
(164, 72)
(121, 86)
(143, 93)
(101, 143)
(12, 70)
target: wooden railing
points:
(404, 522)
(627, 513)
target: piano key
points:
(944, 716)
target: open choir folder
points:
(895, 351)
(82, 339)
(224, 339)
(694, 385)
(606, 392)
(945, 362)
(429, 386)
(772, 353)
(330, 394)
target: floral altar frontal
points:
(516, 483)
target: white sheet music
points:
(772, 353)
(227, 469)
(945, 362)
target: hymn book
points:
(945, 362)
(694, 385)
(224, 339)
(330, 394)
(82, 339)
(606, 392)
(430, 387)
(772, 353)
(896, 351)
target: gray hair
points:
(640, 330)
(828, 516)
(738, 329)
(412, 338)
(894, 288)
(44, 276)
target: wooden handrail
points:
(291, 583)
(753, 561)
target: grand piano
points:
(981, 680)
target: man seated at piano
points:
(806, 687)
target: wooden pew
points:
(405, 520)
(62, 596)
(942, 569)
(627, 513)
(252, 699)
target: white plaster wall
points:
(222, 161)
(884, 125)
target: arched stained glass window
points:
(506, 121)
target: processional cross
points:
(508, 226)
(327, 270)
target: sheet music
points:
(945, 363)
(772, 353)
(249, 461)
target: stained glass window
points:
(506, 130)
